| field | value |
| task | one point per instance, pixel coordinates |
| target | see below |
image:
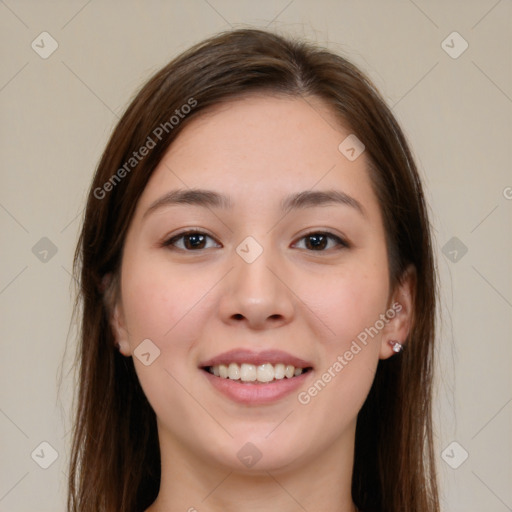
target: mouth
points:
(253, 378)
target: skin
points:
(311, 303)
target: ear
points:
(114, 308)
(400, 312)
(119, 330)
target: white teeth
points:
(250, 373)
(223, 371)
(279, 371)
(265, 372)
(234, 371)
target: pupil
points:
(195, 240)
(318, 240)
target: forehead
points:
(259, 148)
(265, 128)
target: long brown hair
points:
(115, 458)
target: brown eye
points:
(189, 241)
(319, 241)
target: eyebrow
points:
(212, 199)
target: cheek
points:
(165, 307)
(347, 301)
(357, 301)
(157, 300)
(350, 307)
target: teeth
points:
(289, 371)
(250, 373)
(279, 371)
(234, 371)
(265, 373)
(223, 371)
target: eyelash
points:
(171, 241)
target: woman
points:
(255, 254)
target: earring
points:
(397, 347)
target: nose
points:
(256, 294)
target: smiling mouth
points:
(256, 374)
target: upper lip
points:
(240, 356)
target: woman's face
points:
(258, 289)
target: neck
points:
(191, 483)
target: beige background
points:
(58, 112)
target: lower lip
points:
(256, 393)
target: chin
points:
(259, 452)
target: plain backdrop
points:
(445, 69)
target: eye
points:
(191, 240)
(318, 241)
(197, 240)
